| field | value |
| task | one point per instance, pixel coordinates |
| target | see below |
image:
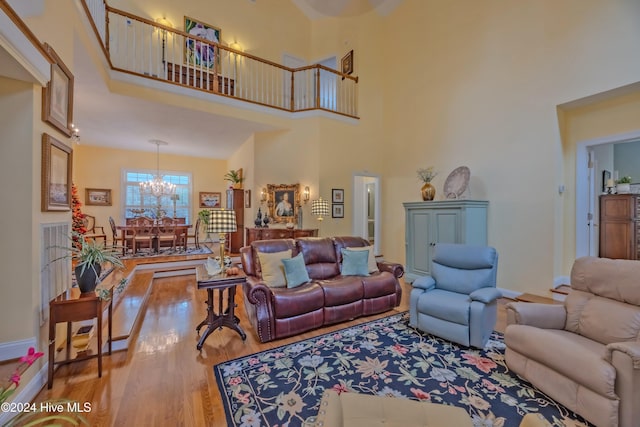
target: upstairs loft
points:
(197, 60)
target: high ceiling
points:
(318, 9)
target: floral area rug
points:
(283, 386)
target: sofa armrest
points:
(425, 282)
(629, 348)
(261, 297)
(545, 316)
(485, 295)
(392, 267)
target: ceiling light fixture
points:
(157, 186)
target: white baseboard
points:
(561, 280)
(27, 393)
(14, 349)
(508, 293)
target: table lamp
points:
(320, 208)
(222, 221)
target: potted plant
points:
(234, 177)
(426, 175)
(623, 185)
(89, 257)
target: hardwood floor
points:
(163, 380)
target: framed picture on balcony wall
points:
(57, 159)
(196, 52)
(57, 97)
(347, 63)
(283, 202)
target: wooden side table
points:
(72, 306)
(223, 318)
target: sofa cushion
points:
(293, 302)
(449, 306)
(601, 319)
(319, 256)
(576, 357)
(371, 261)
(273, 269)
(295, 271)
(342, 290)
(355, 263)
(268, 246)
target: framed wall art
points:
(337, 195)
(247, 198)
(97, 197)
(57, 159)
(347, 63)
(210, 200)
(337, 210)
(196, 52)
(283, 202)
(57, 97)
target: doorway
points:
(366, 208)
(591, 160)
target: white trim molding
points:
(561, 280)
(27, 393)
(14, 349)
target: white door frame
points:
(360, 220)
(582, 185)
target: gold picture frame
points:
(210, 199)
(97, 196)
(57, 160)
(283, 202)
(57, 97)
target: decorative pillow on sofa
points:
(273, 269)
(355, 263)
(371, 262)
(295, 271)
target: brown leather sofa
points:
(585, 353)
(328, 299)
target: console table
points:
(73, 306)
(278, 233)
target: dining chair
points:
(93, 231)
(118, 241)
(167, 232)
(144, 230)
(195, 236)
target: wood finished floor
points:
(163, 380)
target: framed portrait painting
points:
(196, 52)
(57, 97)
(210, 199)
(57, 159)
(283, 202)
(97, 197)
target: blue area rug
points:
(283, 386)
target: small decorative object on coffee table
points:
(224, 317)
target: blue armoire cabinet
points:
(446, 221)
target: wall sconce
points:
(305, 194)
(263, 195)
(75, 134)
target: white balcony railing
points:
(142, 47)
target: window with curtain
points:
(137, 203)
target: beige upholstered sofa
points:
(585, 353)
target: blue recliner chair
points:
(459, 301)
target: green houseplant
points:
(89, 257)
(234, 177)
(623, 185)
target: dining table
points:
(127, 231)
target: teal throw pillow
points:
(295, 271)
(355, 263)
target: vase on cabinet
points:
(428, 192)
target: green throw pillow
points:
(373, 265)
(355, 263)
(295, 271)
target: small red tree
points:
(77, 217)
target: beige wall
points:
(100, 167)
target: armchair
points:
(459, 301)
(93, 231)
(585, 353)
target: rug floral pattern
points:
(282, 387)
